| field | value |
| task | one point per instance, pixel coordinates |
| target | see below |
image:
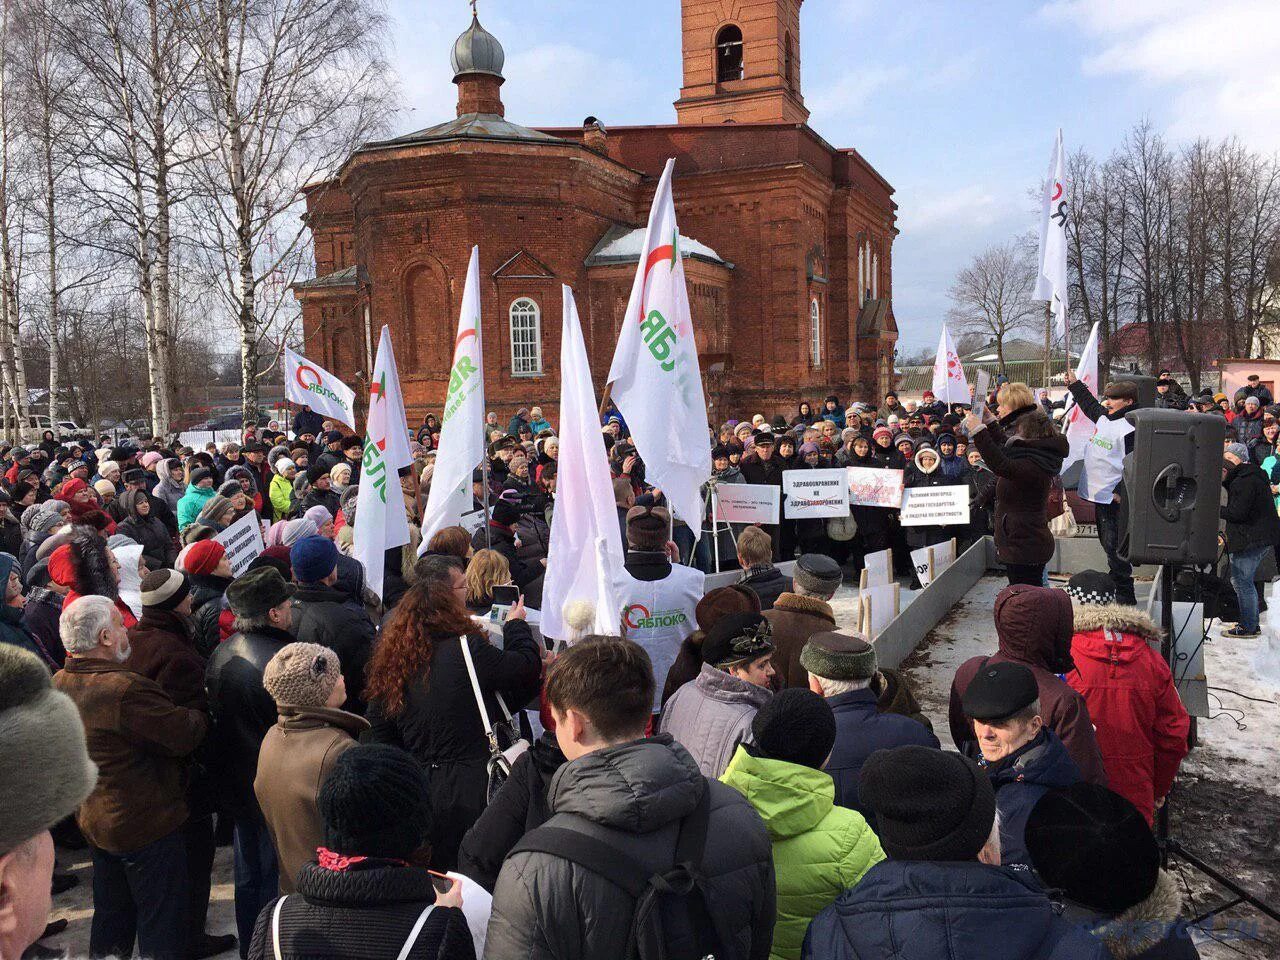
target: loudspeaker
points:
(1174, 485)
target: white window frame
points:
(815, 332)
(526, 341)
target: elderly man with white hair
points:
(142, 743)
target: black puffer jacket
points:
(634, 797)
(440, 725)
(326, 616)
(208, 600)
(519, 806)
(1250, 510)
(366, 910)
(243, 712)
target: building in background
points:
(787, 239)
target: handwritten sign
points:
(872, 487)
(816, 494)
(243, 542)
(747, 503)
(980, 393)
(473, 521)
(934, 506)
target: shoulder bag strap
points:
(692, 839)
(475, 688)
(415, 933)
(275, 927)
(589, 852)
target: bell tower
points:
(741, 62)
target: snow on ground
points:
(1226, 804)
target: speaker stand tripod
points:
(1170, 846)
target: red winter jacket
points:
(1140, 721)
(1033, 622)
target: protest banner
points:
(922, 561)
(934, 506)
(877, 569)
(930, 561)
(747, 503)
(815, 494)
(873, 487)
(944, 555)
(313, 386)
(243, 542)
(473, 521)
(980, 393)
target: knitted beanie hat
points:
(929, 804)
(302, 675)
(313, 559)
(1092, 586)
(204, 556)
(164, 589)
(374, 803)
(797, 726)
(45, 770)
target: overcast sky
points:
(954, 103)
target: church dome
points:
(477, 51)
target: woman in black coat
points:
(143, 527)
(1025, 451)
(420, 696)
(517, 808)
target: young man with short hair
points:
(711, 714)
(755, 556)
(630, 796)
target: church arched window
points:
(788, 65)
(815, 333)
(729, 54)
(526, 338)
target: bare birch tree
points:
(11, 353)
(290, 88)
(992, 295)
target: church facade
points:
(788, 240)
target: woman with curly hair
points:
(420, 697)
(487, 569)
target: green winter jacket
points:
(819, 849)
(281, 494)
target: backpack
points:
(673, 919)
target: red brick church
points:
(788, 240)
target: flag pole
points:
(484, 473)
(605, 398)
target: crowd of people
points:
(423, 773)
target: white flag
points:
(1079, 428)
(381, 522)
(312, 385)
(949, 384)
(584, 558)
(1051, 281)
(462, 427)
(656, 381)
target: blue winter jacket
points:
(946, 911)
(861, 730)
(1020, 780)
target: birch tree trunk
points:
(160, 345)
(15, 373)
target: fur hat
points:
(838, 656)
(1094, 846)
(302, 675)
(257, 591)
(725, 601)
(45, 770)
(648, 528)
(817, 573)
